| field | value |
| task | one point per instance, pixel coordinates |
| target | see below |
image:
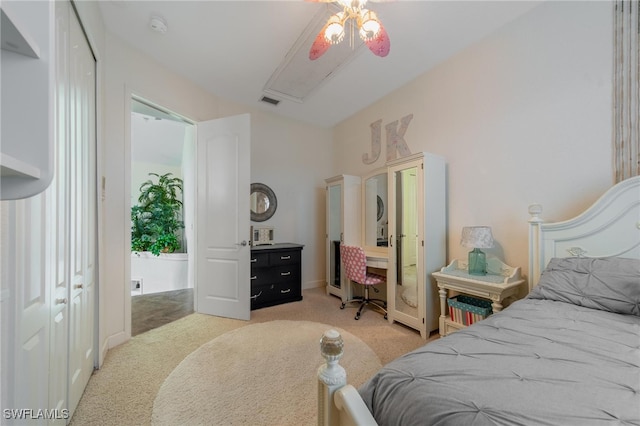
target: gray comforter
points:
(546, 360)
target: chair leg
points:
(378, 303)
(355, 299)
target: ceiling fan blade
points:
(320, 45)
(380, 44)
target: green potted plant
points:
(156, 220)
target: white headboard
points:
(610, 227)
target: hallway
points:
(150, 311)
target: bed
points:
(567, 354)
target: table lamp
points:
(477, 237)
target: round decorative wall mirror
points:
(263, 202)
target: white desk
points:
(377, 260)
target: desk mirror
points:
(374, 208)
(263, 202)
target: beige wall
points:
(523, 116)
(287, 155)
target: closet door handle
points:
(390, 240)
(62, 301)
(78, 286)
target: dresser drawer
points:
(291, 257)
(273, 294)
(262, 276)
(259, 260)
(286, 273)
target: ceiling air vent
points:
(270, 100)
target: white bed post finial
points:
(535, 210)
(331, 377)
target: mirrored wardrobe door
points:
(417, 239)
(375, 212)
(404, 223)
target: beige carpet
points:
(261, 374)
(122, 392)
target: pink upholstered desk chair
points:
(354, 262)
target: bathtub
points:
(153, 274)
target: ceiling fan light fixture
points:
(364, 21)
(369, 25)
(334, 31)
(352, 4)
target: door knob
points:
(62, 301)
(243, 243)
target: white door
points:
(59, 226)
(82, 210)
(222, 218)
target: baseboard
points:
(103, 352)
(314, 284)
(116, 339)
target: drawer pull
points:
(285, 257)
(254, 277)
(254, 260)
(284, 274)
(285, 291)
(256, 296)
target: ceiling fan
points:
(354, 13)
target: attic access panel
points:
(297, 76)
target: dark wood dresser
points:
(276, 274)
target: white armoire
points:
(48, 240)
(343, 226)
(417, 239)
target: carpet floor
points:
(277, 385)
(123, 391)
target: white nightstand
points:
(501, 282)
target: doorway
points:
(162, 145)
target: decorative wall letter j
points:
(395, 140)
(376, 145)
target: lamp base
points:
(477, 262)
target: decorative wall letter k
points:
(395, 140)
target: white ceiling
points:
(232, 48)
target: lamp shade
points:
(476, 237)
